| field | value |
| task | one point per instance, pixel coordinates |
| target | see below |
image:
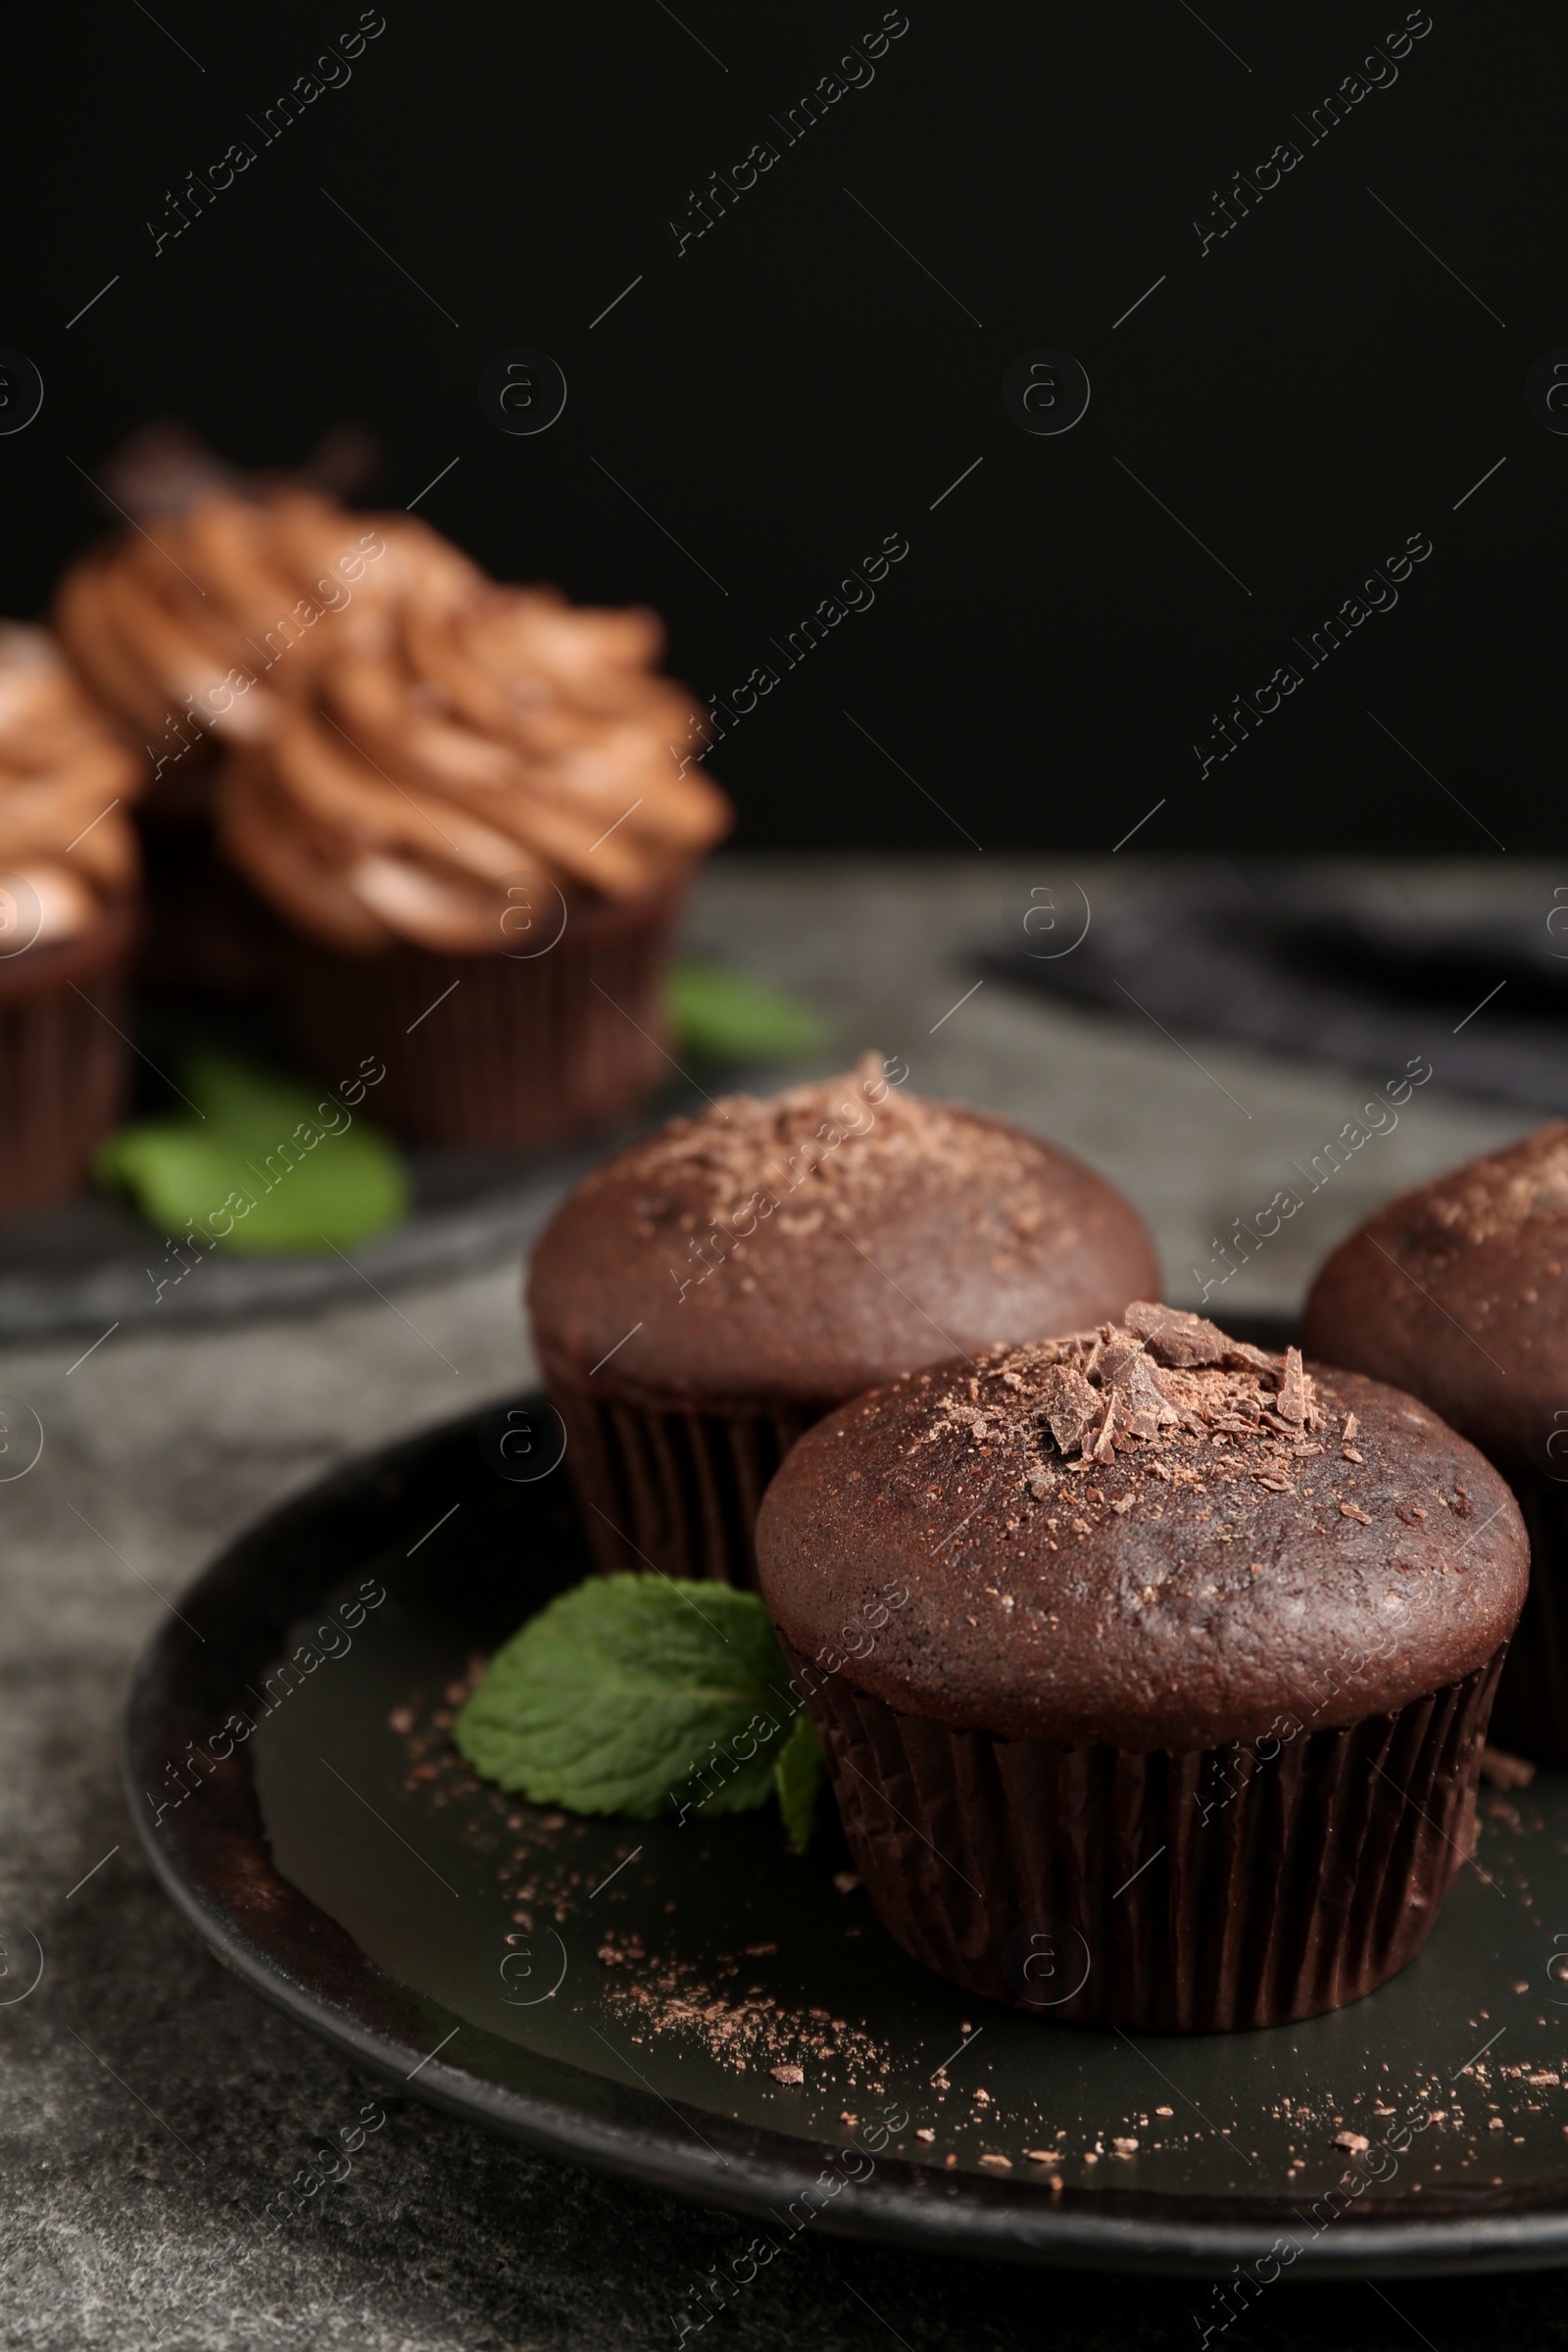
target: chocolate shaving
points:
(1146, 1408)
(1186, 1342)
(1296, 1393)
(1110, 1356)
(1068, 1404)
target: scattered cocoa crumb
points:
(742, 1144)
(400, 1721)
(1354, 1510)
(1125, 2147)
(761, 1951)
(926, 2132)
(1500, 1770)
(1354, 2141)
(796, 2074)
(845, 1881)
(1001, 2164)
(752, 2030)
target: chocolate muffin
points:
(1458, 1291)
(1152, 1671)
(704, 1295)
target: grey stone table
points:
(150, 2105)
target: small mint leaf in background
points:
(725, 1015)
(313, 1171)
(798, 1771)
(640, 1695)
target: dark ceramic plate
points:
(91, 1263)
(622, 1993)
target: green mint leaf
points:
(272, 1165)
(725, 1015)
(635, 1695)
(798, 1771)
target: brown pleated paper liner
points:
(495, 1051)
(674, 1491)
(1193, 1894)
(64, 1065)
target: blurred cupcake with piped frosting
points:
(191, 622)
(470, 819)
(192, 625)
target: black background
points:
(794, 385)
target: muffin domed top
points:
(456, 743)
(1146, 1535)
(804, 1248)
(1459, 1290)
(65, 782)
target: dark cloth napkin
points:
(1355, 967)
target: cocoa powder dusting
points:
(830, 1149)
(748, 2032)
(1497, 1196)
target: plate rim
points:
(902, 2204)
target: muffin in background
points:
(68, 920)
(472, 824)
(1153, 1671)
(1458, 1291)
(710, 1292)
